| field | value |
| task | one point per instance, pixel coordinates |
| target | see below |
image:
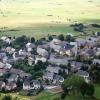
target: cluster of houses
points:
(56, 53)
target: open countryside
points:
(40, 18)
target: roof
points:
(26, 83)
(96, 60)
(48, 74)
(53, 69)
(67, 46)
(2, 65)
(1, 82)
(11, 84)
(98, 33)
(56, 41)
(82, 73)
(21, 73)
(3, 71)
(13, 76)
(58, 78)
(42, 51)
(58, 60)
(35, 82)
(76, 65)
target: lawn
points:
(97, 92)
(49, 96)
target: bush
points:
(56, 98)
(7, 97)
(61, 37)
(63, 95)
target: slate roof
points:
(67, 46)
(82, 73)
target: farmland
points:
(40, 18)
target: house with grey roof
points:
(55, 69)
(75, 66)
(55, 44)
(31, 85)
(11, 86)
(3, 72)
(2, 85)
(80, 42)
(97, 33)
(26, 85)
(30, 46)
(96, 61)
(13, 78)
(42, 52)
(58, 79)
(2, 65)
(16, 56)
(84, 74)
(58, 60)
(48, 75)
(20, 73)
(97, 51)
(69, 49)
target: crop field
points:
(42, 17)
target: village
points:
(33, 65)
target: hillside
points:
(17, 12)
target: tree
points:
(19, 83)
(20, 42)
(32, 40)
(78, 58)
(7, 97)
(61, 37)
(22, 39)
(47, 81)
(56, 98)
(87, 89)
(50, 38)
(90, 90)
(95, 73)
(79, 27)
(16, 98)
(73, 83)
(69, 66)
(83, 88)
(63, 95)
(68, 38)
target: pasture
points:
(41, 17)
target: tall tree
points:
(32, 40)
(73, 83)
(90, 90)
(61, 37)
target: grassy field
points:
(41, 17)
(17, 12)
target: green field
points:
(41, 17)
(49, 96)
(16, 12)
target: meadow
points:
(41, 17)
